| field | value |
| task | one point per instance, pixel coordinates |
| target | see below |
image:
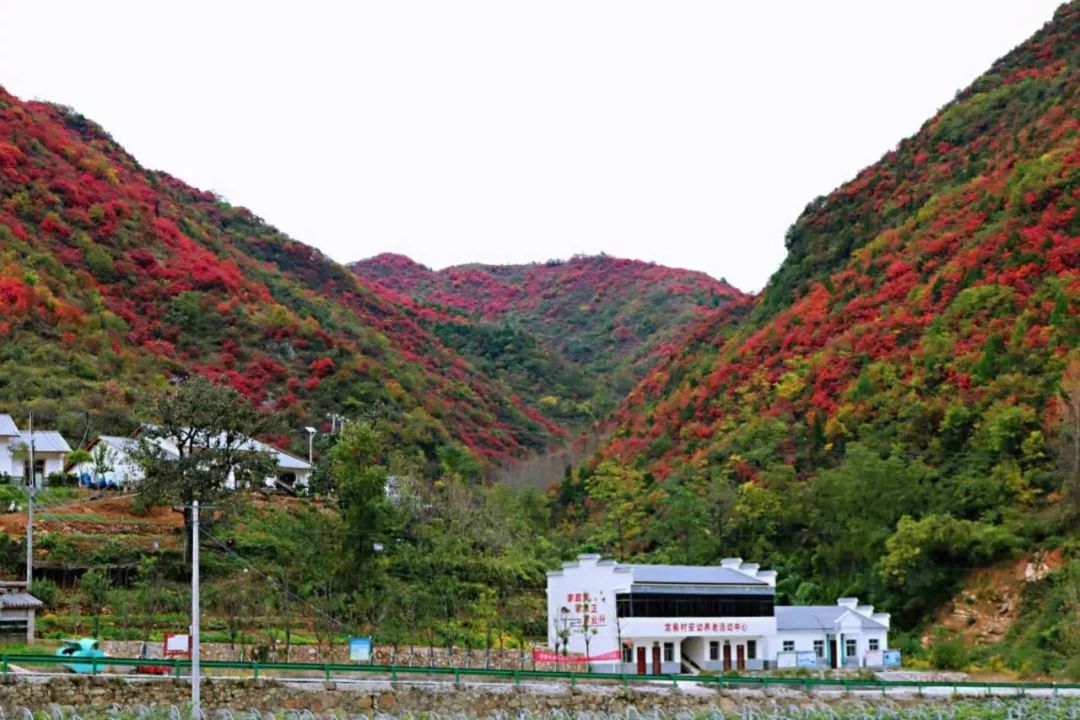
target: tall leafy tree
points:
(355, 464)
(201, 440)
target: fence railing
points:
(176, 667)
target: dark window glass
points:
(672, 605)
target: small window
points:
(627, 653)
(751, 649)
(819, 648)
(669, 652)
(789, 646)
(714, 650)
(874, 644)
(850, 648)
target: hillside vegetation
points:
(593, 325)
(113, 279)
(887, 417)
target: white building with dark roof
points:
(662, 619)
(291, 471)
(50, 450)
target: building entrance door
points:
(833, 655)
(641, 661)
(727, 657)
(656, 660)
(740, 657)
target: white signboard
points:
(684, 627)
(177, 643)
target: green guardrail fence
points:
(176, 667)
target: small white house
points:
(843, 635)
(50, 450)
(124, 471)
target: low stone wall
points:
(416, 656)
(85, 692)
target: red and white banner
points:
(553, 657)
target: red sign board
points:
(548, 656)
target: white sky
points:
(687, 133)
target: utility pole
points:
(31, 491)
(195, 679)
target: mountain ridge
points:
(887, 414)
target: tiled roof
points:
(19, 599)
(8, 427)
(46, 441)
(817, 617)
(690, 575)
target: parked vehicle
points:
(81, 649)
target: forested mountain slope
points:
(886, 416)
(604, 320)
(114, 278)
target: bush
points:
(948, 652)
(59, 479)
(47, 592)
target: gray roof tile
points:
(817, 617)
(8, 427)
(19, 600)
(46, 441)
(690, 575)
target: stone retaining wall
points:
(417, 656)
(84, 692)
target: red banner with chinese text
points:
(549, 656)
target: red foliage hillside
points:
(612, 318)
(114, 278)
(942, 279)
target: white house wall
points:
(5, 458)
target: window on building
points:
(819, 648)
(714, 650)
(850, 648)
(656, 604)
(789, 646)
(669, 652)
(628, 653)
(751, 649)
(874, 644)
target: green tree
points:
(202, 439)
(618, 491)
(94, 585)
(921, 558)
(365, 509)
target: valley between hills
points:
(896, 416)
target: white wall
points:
(54, 462)
(125, 470)
(600, 580)
(5, 457)
(804, 642)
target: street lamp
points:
(310, 444)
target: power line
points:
(224, 546)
